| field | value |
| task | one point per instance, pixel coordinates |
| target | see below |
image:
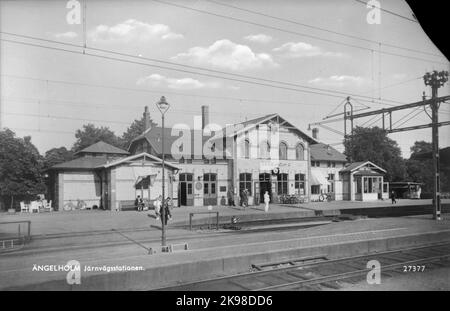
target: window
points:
(329, 164)
(245, 182)
(182, 160)
(189, 161)
(299, 152)
(315, 189)
(282, 180)
(333, 164)
(209, 183)
(264, 150)
(330, 186)
(315, 163)
(300, 184)
(282, 151)
(246, 149)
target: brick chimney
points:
(205, 116)
(146, 119)
(315, 133)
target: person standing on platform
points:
(393, 197)
(157, 205)
(230, 196)
(266, 201)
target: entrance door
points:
(264, 185)
(209, 189)
(186, 194)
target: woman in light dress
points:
(157, 204)
(266, 201)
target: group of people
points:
(166, 205)
(159, 203)
(244, 199)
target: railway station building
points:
(207, 165)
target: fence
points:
(192, 215)
(14, 234)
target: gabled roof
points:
(250, 124)
(323, 152)
(154, 138)
(357, 165)
(102, 147)
(154, 135)
(82, 163)
(136, 156)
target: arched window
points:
(264, 150)
(282, 151)
(246, 149)
(300, 152)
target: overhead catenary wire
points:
(293, 32)
(308, 89)
(319, 28)
(366, 3)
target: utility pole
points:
(348, 114)
(436, 80)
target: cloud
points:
(339, 81)
(260, 38)
(227, 55)
(302, 49)
(157, 80)
(66, 35)
(133, 30)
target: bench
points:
(128, 205)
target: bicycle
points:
(325, 197)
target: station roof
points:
(323, 152)
(81, 163)
(104, 148)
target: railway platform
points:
(213, 254)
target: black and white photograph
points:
(212, 148)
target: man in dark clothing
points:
(137, 202)
(393, 197)
(167, 213)
(230, 195)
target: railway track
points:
(319, 273)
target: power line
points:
(320, 28)
(162, 91)
(293, 32)
(175, 69)
(409, 119)
(390, 12)
(370, 99)
(110, 107)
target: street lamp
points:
(163, 106)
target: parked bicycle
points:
(326, 197)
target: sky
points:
(315, 53)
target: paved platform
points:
(69, 223)
(212, 255)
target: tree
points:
(421, 169)
(57, 155)
(136, 128)
(90, 134)
(372, 144)
(20, 168)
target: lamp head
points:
(163, 105)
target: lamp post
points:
(163, 106)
